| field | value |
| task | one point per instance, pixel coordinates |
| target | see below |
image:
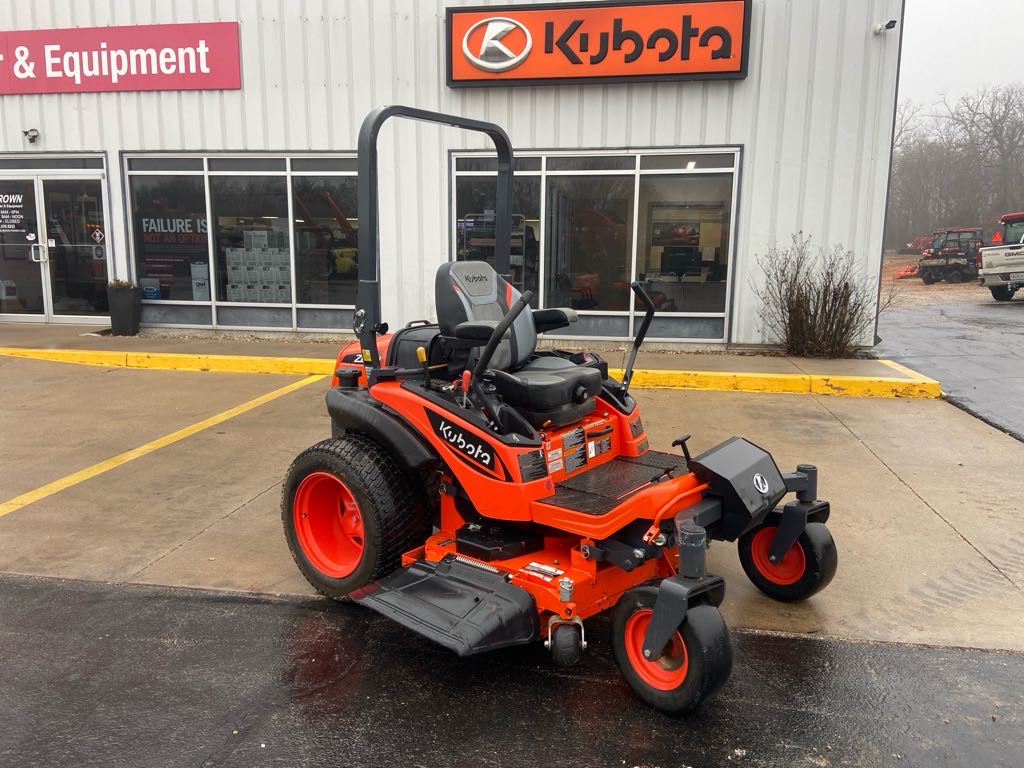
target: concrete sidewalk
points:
(926, 524)
(299, 354)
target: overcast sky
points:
(957, 47)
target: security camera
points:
(31, 134)
(880, 28)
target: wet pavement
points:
(130, 675)
(975, 349)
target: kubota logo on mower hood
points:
(580, 42)
(497, 50)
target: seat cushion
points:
(547, 383)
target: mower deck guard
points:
(464, 606)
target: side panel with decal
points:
(466, 445)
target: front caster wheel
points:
(807, 567)
(694, 664)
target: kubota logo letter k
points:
(495, 53)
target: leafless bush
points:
(814, 304)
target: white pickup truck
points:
(1001, 267)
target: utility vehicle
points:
(952, 256)
(484, 493)
(1001, 268)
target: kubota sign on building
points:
(581, 42)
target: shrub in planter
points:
(125, 307)
(815, 305)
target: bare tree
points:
(961, 165)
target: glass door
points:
(22, 254)
(76, 247)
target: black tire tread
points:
(566, 645)
(1001, 293)
(819, 550)
(707, 644)
(399, 508)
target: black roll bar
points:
(367, 317)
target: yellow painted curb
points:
(249, 364)
(717, 380)
(915, 386)
(875, 387)
(912, 385)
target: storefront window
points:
(475, 198)
(250, 216)
(683, 248)
(170, 237)
(326, 260)
(588, 241)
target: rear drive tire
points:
(954, 276)
(349, 513)
(1001, 293)
(807, 567)
(694, 664)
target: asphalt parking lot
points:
(130, 478)
(958, 334)
(975, 348)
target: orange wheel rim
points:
(789, 570)
(666, 672)
(328, 524)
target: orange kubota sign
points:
(581, 42)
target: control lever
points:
(421, 356)
(488, 352)
(681, 441)
(645, 300)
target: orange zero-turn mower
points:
(485, 493)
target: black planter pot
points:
(125, 310)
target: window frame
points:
(206, 173)
(736, 150)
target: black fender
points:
(355, 410)
(675, 595)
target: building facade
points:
(219, 171)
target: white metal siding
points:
(814, 116)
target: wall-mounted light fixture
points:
(31, 134)
(880, 28)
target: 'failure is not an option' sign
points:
(153, 57)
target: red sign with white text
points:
(153, 57)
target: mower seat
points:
(545, 389)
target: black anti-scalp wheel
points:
(807, 567)
(566, 645)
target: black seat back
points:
(466, 291)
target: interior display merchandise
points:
(169, 227)
(683, 251)
(258, 273)
(251, 241)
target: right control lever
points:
(645, 300)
